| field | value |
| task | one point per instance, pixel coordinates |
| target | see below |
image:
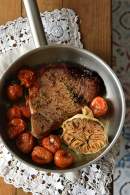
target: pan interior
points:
(58, 54)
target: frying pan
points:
(46, 54)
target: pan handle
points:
(35, 21)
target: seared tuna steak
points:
(59, 94)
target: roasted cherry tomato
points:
(25, 142)
(27, 77)
(99, 106)
(52, 143)
(63, 159)
(14, 92)
(41, 155)
(14, 112)
(25, 110)
(16, 127)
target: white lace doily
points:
(60, 27)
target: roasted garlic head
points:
(83, 133)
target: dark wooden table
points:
(95, 26)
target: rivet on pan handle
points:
(34, 18)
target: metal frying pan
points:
(44, 54)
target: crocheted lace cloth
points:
(60, 27)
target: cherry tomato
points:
(52, 143)
(27, 77)
(63, 159)
(14, 92)
(16, 127)
(25, 110)
(14, 112)
(99, 106)
(41, 155)
(25, 142)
